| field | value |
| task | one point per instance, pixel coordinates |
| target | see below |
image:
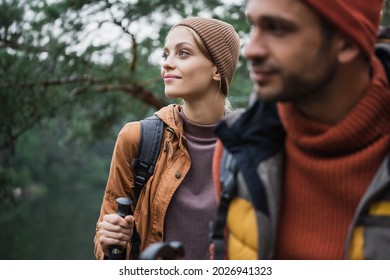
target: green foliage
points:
(53, 226)
(62, 187)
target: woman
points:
(178, 202)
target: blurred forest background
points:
(72, 73)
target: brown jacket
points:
(171, 168)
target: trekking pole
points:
(117, 252)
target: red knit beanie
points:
(358, 19)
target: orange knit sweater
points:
(327, 171)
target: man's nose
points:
(256, 46)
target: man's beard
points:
(297, 86)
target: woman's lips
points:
(171, 77)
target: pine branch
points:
(134, 90)
(56, 82)
(21, 47)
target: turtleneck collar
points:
(368, 121)
(197, 130)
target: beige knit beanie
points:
(222, 42)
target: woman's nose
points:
(168, 63)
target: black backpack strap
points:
(229, 187)
(152, 129)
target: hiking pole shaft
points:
(117, 252)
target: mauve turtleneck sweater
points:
(194, 205)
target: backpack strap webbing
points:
(152, 129)
(229, 186)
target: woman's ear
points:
(216, 75)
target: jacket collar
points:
(253, 136)
(257, 130)
(170, 115)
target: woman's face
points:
(186, 71)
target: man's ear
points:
(216, 75)
(347, 50)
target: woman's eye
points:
(183, 53)
(165, 56)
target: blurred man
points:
(312, 153)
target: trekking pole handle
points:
(117, 252)
(124, 204)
